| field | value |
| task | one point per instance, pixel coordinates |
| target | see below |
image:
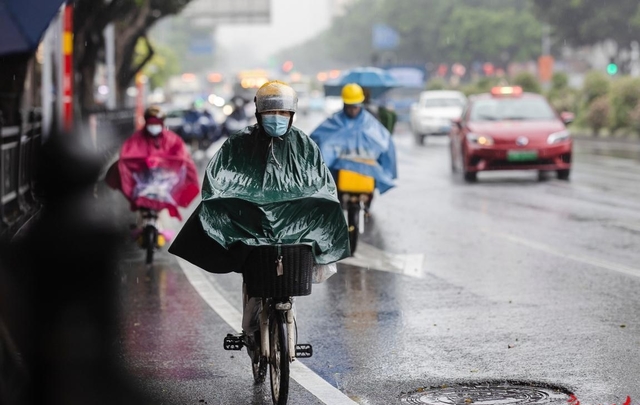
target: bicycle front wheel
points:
(353, 218)
(150, 238)
(279, 361)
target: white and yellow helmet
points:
(276, 96)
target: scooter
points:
(355, 192)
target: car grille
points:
(506, 163)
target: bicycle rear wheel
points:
(279, 361)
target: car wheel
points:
(542, 175)
(470, 177)
(563, 174)
(454, 168)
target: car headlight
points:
(481, 140)
(558, 137)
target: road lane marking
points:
(592, 261)
(369, 257)
(210, 291)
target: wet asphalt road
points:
(511, 278)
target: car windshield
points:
(442, 102)
(526, 109)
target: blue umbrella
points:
(23, 22)
(376, 80)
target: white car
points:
(433, 112)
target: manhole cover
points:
(488, 393)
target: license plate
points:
(522, 155)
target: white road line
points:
(592, 261)
(369, 257)
(209, 290)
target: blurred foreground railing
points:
(19, 150)
(20, 153)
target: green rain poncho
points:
(260, 190)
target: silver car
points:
(433, 112)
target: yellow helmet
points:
(276, 96)
(352, 93)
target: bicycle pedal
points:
(304, 350)
(232, 342)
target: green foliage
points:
(479, 34)
(587, 22)
(598, 114)
(624, 96)
(528, 82)
(436, 83)
(482, 85)
(596, 84)
(634, 118)
(163, 64)
(463, 31)
(559, 81)
(567, 99)
(561, 96)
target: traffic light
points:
(612, 67)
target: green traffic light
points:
(612, 68)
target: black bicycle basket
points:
(261, 275)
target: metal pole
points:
(546, 39)
(47, 79)
(110, 50)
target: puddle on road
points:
(488, 393)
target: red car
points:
(508, 129)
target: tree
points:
(588, 22)
(163, 64)
(450, 31)
(133, 19)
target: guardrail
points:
(19, 150)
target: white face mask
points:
(154, 129)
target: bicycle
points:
(275, 275)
